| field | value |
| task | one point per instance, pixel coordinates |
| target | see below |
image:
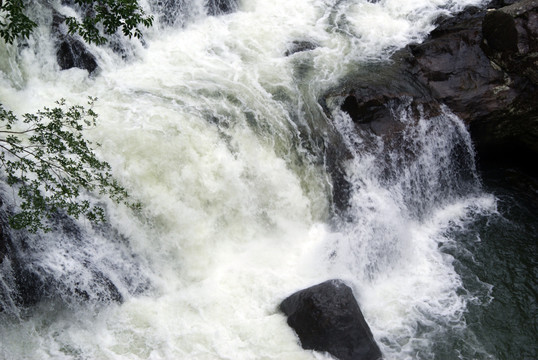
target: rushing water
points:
(221, 138)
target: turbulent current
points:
(213, 124)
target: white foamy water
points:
(217, 134)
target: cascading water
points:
(221, 138)
(407, 191)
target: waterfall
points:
(213, 123)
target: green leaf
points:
(53, 166)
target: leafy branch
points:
(13, 21)
(52, 164)
(112, 15)
(102, 17)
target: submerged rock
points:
(300, 46)
(327, 318)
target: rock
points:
(219, 7)
(4, 236)
(499, 31)
(511, 38)
(458, 73)
(482, 64)
(30, 278)
(375, 91)
(372, 98)
(300, 46)
(73, 53)
(495, 4)
(327, 318)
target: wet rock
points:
(327, 318)
(511, 38)
(499, 31)
(341, 189)
(4, 236)
(300, 46)
(458, 73)
(373, 98)
(73, 53)
(33, 278)
(219, 7)
(375, 91)
(484, 66)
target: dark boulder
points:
(499, 31)
(73, 53)
(327, 318)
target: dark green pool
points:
(497, 258)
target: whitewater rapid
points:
(217, 133)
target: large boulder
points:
(327, 318)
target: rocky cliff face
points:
(483, 64)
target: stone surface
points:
(327, 318)
(483, 64)
(73, 53)
(458, 73)
(373, 93)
